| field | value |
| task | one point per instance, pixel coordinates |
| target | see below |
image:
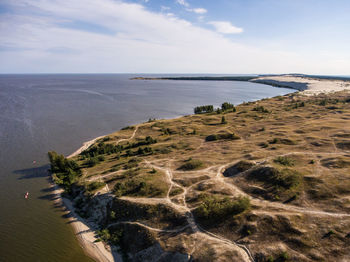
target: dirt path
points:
(105, 189)
(265, 203)
(150, 228)
(243, 250)
(131, 137)
(215, 174)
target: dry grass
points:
(289, 151)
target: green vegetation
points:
(128, 128)
(142, 142)
(218, 208)
(91, 162)
(101, 148)
(297, 105)
(280, 182)
(228, 106)
(191, 164)
(175, 191)
(140, 186)
(282, 257)
(93, 186)
(204, 109)
(239, 167)
(284, 160)
(107, 236)
(284, 141)
(210, 108)
(228, 136)
(260, 109)
(64, 171)
(223, 120)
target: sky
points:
(175, 36)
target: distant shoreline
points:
(311, 84)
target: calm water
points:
(58, 112)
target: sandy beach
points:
(99, 251)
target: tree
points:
(64, 171)
(223, 120)
(226, 106)
(204, 109)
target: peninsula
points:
(260, 181)
(300, 82)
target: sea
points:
(44, 112)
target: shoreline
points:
(85, 234)
(308, 85)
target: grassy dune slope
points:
(274, 184)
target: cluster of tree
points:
(217, 208)
(64, 171)
(93, 161)
(227, 106)
(141, 151)
(260, 109)
(144, 142)
(204, 109)
(100, 149)
(210, 108)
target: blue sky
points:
(175, 36)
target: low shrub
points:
(228, 136)
(284, 141)
(260, 109)
(95, 186)
(138, 187)
(191, 164)
(284, 160)
(218, 208)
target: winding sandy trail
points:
(265, 203)
(241, 249)
(131, 137)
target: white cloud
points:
(225, 27)
(47, 36)
(164, 8)
(199, 11)
(183, 2)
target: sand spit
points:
(308, 85)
